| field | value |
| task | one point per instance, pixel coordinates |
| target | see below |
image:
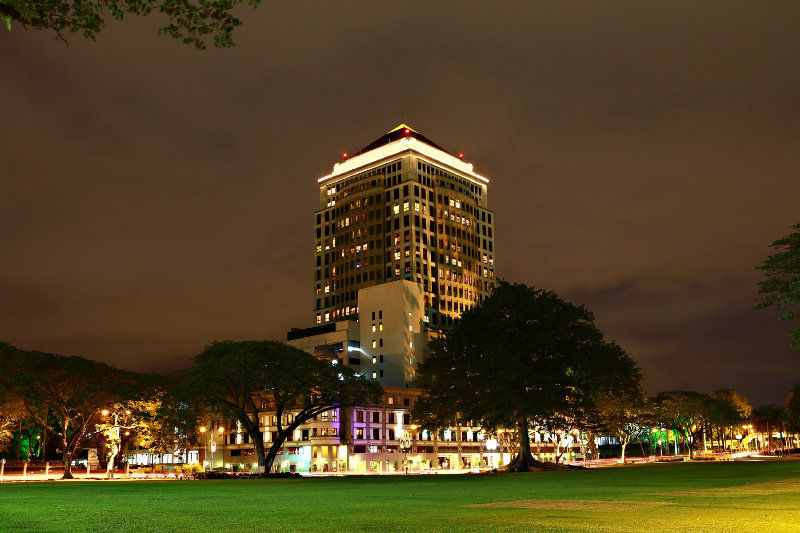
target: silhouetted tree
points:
(238, 379)
(781, 285)
(190, 21)
(727, 408)
(66, 394)
(522, 355)
(767, 418)
(793, 409)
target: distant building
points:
(385, 344)
(403, 208)
(403, 244)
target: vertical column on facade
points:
(458, 447)
(435, 461)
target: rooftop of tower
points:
(403, 130)
(398, 140)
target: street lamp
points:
(405, 445)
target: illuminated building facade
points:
(403, 208)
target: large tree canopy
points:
(66, 394)
(190, 21)
(234, 379)
(523, 355)
(781, 285)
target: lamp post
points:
(405, 445)
(202, 431)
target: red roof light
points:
(344, 155)
(407, 131)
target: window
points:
(376, 433)
(359, 433)
(376, 417)
(359, 416)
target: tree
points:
(727, 408)
(624, 416)
(190, 21)
(238, 379)
(65, 395)
(767, 417)
(12, 413)
(522, 356)
(781, 286)
(793, 409)
(686, 412)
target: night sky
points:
(642, 156)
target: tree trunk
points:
(67, 459)
(622, 457)
(269, 460)
(524, 461)
(259, 445)
(592, 444)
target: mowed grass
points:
(718, 497)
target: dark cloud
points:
(642, 156)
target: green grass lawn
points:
(718, 497)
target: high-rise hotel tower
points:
(403, 208)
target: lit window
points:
(374, 375)
(396, 209)
(374, 342)
(409, 327)
(380, 326)
(373, 327)
(416, 208)
(405, 206)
